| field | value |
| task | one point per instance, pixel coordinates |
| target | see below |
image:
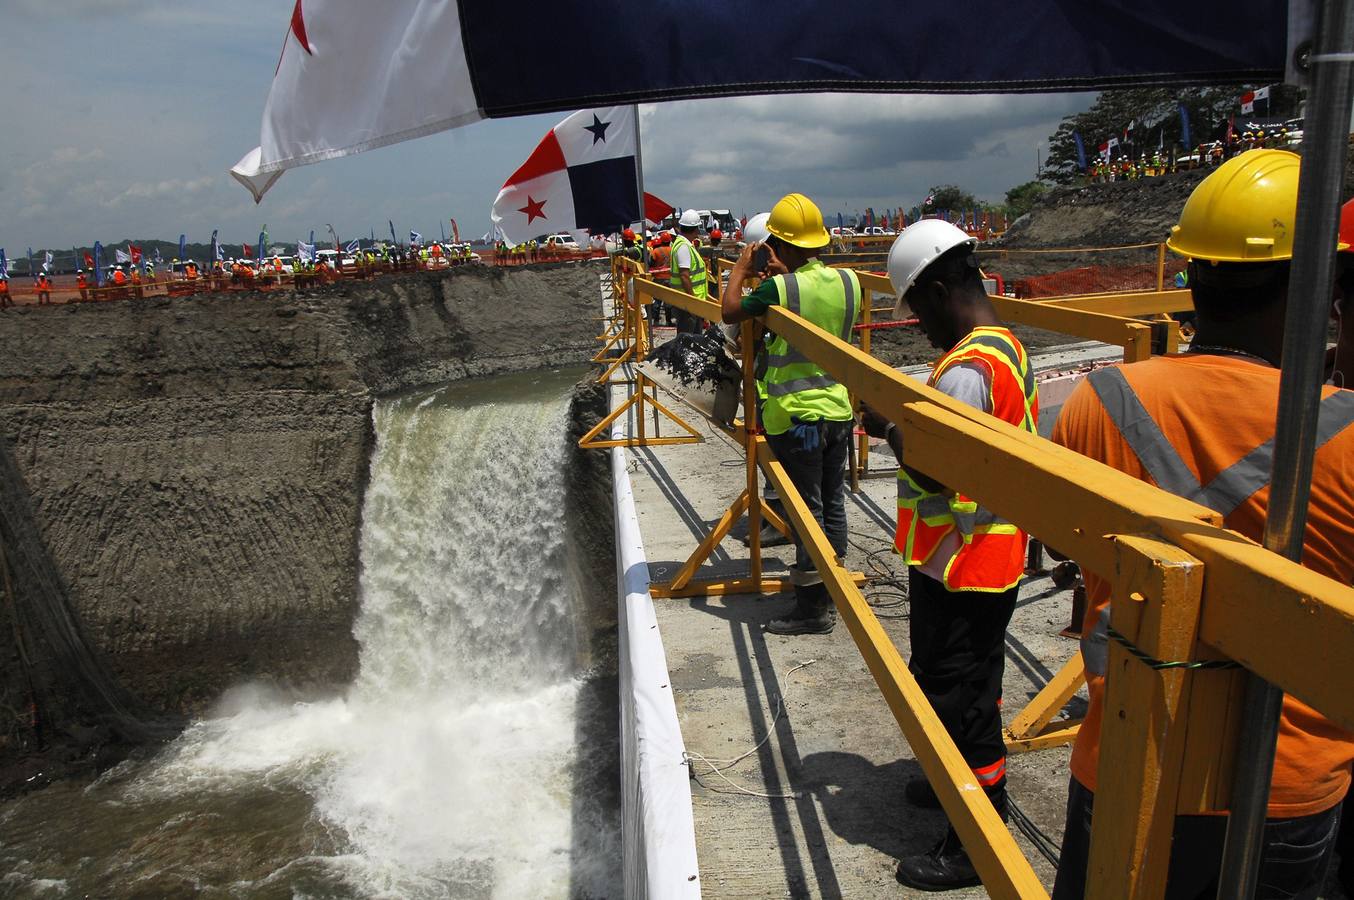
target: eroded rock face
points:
(197, 466)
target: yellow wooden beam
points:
(1142, 733)
(1058, 734)
(1038, 484)
(1286, 623)
(1126, 303)
(1004, 870)
(1050, 700)
(721, 587)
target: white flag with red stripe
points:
(581, 177)
(354, 76)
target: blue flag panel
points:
(606, 194)
(556, 59)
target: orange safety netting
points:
(1097, 279)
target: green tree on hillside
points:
(1020, 198)
(949, 196)
(1157, 121)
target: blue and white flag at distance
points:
(415, 238)
(47, 261)
(217, 254)
(98, 264)
(305, 252)
(4, 264)
(581, 177)
(353, 247)
(183, 248)
(122, 257)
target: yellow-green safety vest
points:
(697, 269)
(795, 386)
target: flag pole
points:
(639, 174)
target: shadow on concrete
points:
(662, 570)
(864, 802)
(698, 526)
(865, 503)
(815, 876)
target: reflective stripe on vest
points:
(1232, 486)
(990, 557)
(1227, 491)
(791, 355)
(697, 270)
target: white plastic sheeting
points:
(658, 832)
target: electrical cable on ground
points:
(1048, 848)
(884, 590)
(720, 766)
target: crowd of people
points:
(966, 563)
(1206, 155)
(127, 280)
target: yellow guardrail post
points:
(1157, 593)
(1161, 267)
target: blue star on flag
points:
(598, 129)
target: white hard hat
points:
(755, 231)
(689, 219)
(919, 245)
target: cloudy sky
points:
(123, 116)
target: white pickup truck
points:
(561, 241)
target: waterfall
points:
(451, 766)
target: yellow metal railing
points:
(1184, 586)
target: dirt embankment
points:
(196, 466)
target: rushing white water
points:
(450, 767)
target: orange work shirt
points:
(1214, 410)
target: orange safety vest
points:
(119, 277)
(991, 556)
(80, 281)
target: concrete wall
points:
(197, 465)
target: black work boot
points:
(813, 612)
(942, 868)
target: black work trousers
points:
(1293, 863)
(814, 456)
(958, 658)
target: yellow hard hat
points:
(1243, 212)
(796, 220)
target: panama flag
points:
(581, 176)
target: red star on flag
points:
(535, 209)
